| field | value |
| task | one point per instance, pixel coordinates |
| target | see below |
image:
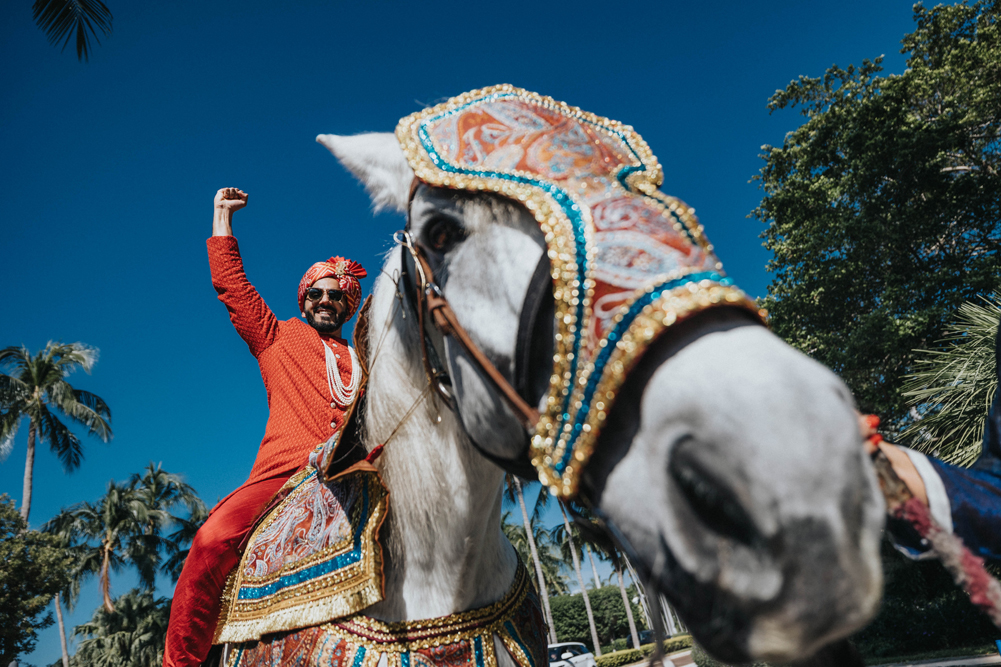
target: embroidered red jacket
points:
(292, 361)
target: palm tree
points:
(125, 527)
(62, 528)
(952, 387)
(132, 635)
(161, 492)
(549, 560)
(60, 20)
(617, 559)
(182, 537)
(33, 387)
(566, 540)
(594, 566)
(514, 490)
(114, 533)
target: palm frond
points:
(62, 441)
(67, 356)
(67, 399)
(60, 20)
(94, 402)
(15, 357)
(12, 391)
(952, 387)
(9, 422)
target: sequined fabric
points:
(627, 260)
(460, 640)
(315, 558)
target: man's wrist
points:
(222, 222)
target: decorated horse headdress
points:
(627, 261)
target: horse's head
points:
(730, 463)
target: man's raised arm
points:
(251, 317)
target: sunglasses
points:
(316, 294)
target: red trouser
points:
(194, 611)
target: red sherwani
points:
(302, 415)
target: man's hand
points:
(231, 199)
(226, 201)
(901, 463)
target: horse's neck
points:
(444, 551)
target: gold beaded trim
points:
(559, 429)
(364, 640)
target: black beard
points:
(324, 327)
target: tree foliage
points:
(35, 387)
(126, 528)
(132, 635)
(952, 386)
(62, 20)
(34, 568)
(884, 207)
(549, 557)
(609, 615)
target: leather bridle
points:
(431, 306)
(430, 303)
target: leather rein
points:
(432, 304)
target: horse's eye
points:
(443, 234)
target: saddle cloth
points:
(314, 558)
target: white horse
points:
(731, 463)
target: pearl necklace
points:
(341, 394)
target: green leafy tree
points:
(126, 529)
(564, 536)
(884, 207)
(610, 616)
(514, 491)
(34, 568)
(952, 386)
(549, 557)
(922, 610)
(35, 388)
(62, 20)
(133, 635)
(71, 592)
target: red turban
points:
(347, 273)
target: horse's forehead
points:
(475, 210)
(627, 261)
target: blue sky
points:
(110, 167)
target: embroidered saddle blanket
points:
(465, 639)
(314, 558)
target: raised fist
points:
(230, 199)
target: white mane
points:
(434, 539)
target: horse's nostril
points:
(713, 502)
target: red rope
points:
(967, 569)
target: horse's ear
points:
(377, 161)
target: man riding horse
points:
(311, 376)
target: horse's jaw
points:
(735, 468)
